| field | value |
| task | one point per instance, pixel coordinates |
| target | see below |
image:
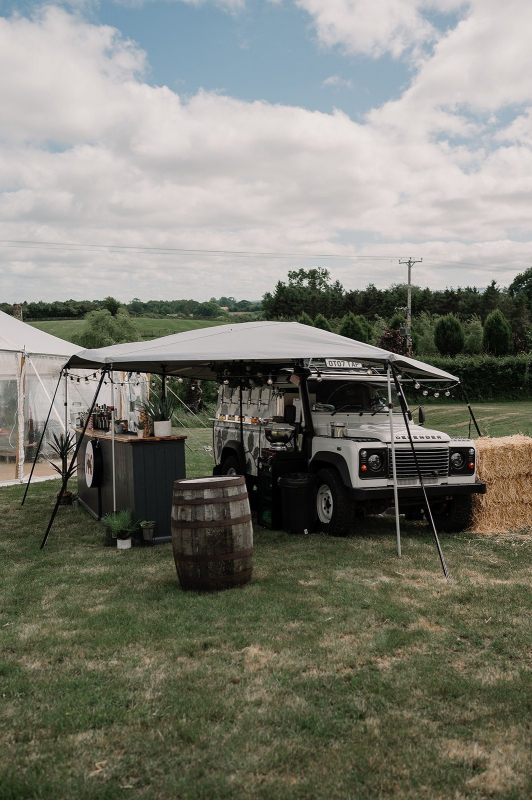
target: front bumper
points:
(416, 493)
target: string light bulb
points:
(447, 393)
(425, 393)
(269, 381)
(417, 385)
(436, 394)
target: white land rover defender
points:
(334, 422)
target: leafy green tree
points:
(102, 329)
(423, 334)
(321, 322)
(449, 335)
(304, 319)
(112, 305)
(208, 309)
(497, 334)
(356, 327)
(522, 285)
(397, 321)
(474, 337)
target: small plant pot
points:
(140, 433)
(119, 428)
(163, 428)
(123, 544)
(147, 533)
(66, 499)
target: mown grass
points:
(148, 328)
(339, 672)
(494, 419)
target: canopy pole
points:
(66, 402)
(241, 421)
(466, 398)
(394, 466)
(113, 418)
(163, 383)
(41, 439)
(21, 398)
(404, 407)
(73, 460)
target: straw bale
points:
(505, 464)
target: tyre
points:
(231, 466)
(334, 509)
(455, 516)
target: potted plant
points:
(121, 525)
(140, 429)
(160, 410)
(147, 527)
(62, 446)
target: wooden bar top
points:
(128, 438)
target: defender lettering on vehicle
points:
(336, 415)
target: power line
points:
(138, 250)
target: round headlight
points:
(375, 462)
(457, 460)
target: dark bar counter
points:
(145, 473)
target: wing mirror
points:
(421, 415)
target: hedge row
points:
(490, 377)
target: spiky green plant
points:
(62, 445)
(159, 408)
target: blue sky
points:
(266, 52)
(367, 129)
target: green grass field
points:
(148, 328)
(340, 672)
(494, 419)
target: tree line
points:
(77, 309)
(496, 320)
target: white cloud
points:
(92, 154)
(337, 82)
(371, 28)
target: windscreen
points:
(344, 395)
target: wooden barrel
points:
(212, 534)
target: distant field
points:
(494, 419)
(68, 329)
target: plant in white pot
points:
(160, 410)
(140, 429)
(121, 525)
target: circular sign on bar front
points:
(93, 464)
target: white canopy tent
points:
(30, 366)
(200, 353)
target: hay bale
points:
(505, 464)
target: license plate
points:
(340, 363)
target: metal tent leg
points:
(394, 467)
(73, 460)
(402, 400)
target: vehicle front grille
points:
(432, 463)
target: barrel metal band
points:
(216, 483)
(220, 557)
(208, 501)
(210, 523)
(189, 583)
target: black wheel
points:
(334, 509)
(455, 515)
(231, 466)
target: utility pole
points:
(410, 263)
